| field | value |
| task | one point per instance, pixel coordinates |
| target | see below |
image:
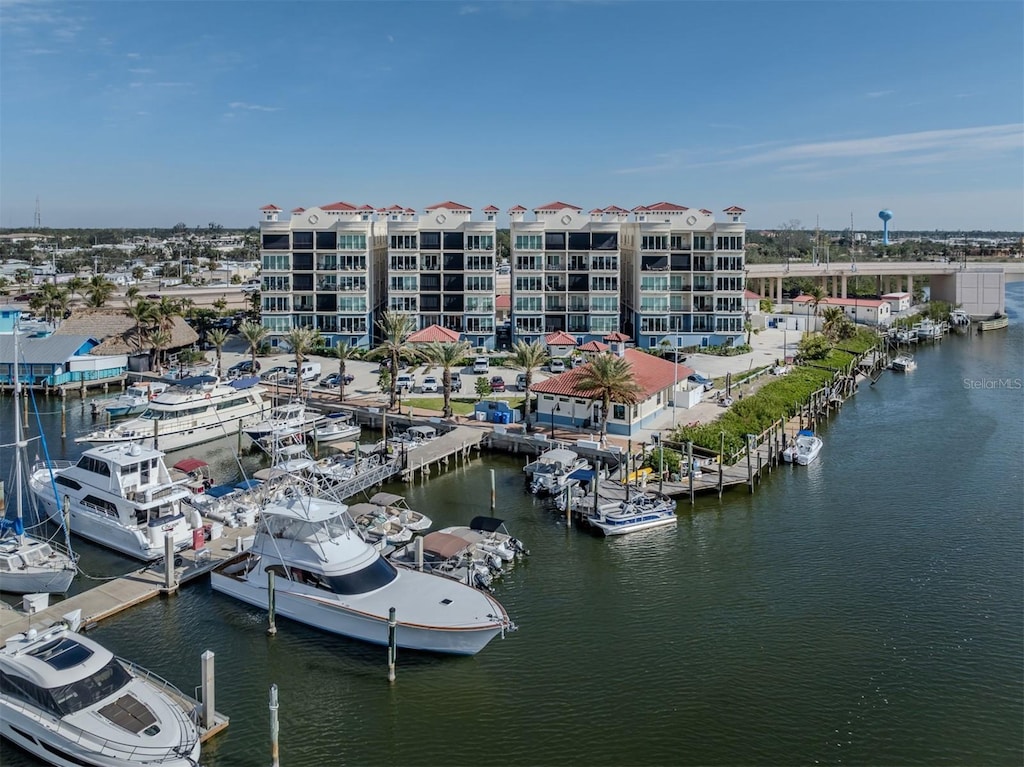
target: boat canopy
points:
(305, 508)
(244, 383)
(219, 491)
(387, 499)
(805, 433)
(188, 465)
(192, 382)
(247, 484)
(487, 524)
(583, 475)
(422, 432)
(443, 545)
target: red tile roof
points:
(399, 208)
(492, 209)
(450, 206)
(365, 207)
(593, 346)
(734, 209)
(652, 374)
(640, 209)
(433, 333)
(270, 207)
(553, 206)
(298, 210)
(409, 210)
(616, 336)
(338, 206)
(706, 212)
(503, 302)
(751, 294)
(596, 210)
(517, 209)
(559, 338)
(667, 206)
(615, 209)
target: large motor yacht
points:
(190, 412)
(328, 577)
(71, 702)
(119, 496)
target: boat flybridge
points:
(327, 576)
(189, 412)
(120, 496)
(71, 702)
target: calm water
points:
(864, 610)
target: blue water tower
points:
(885, 215)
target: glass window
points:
(454, 241)
(276, 242)
(302, 240)
(326, 240)
(430, 240)
(554, 241)
(303, 262)
(579, 240)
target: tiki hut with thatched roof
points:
(119, 335)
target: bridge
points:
(978, 287)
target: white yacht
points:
(549, 474)
(135, 399)
(70, 702)
(119, 496)
(804, 449)
(189, 412)
(328, 577)
(28, 564)
(283, 420)
(904, 363)
(336, 427)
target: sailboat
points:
(28, 565)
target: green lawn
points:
(460, 405)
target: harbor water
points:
(867, 609)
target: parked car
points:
(456, 379)
(310, 371)
(430, 384)
(521, 382)
(243, 368)
(250, 288)
(557, 366)
(405, 381)
(24, 297)
(155, 296)
(701, 380)
(276, 373)
(332, 381)
(497, 384)
(480, 365)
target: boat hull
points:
(996, 324)
(178, 439)
(28, 734)
(330, 615)
(40, 582)
(621, 529)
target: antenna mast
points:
(37, 222)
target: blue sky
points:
(142, 114)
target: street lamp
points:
(555, 409)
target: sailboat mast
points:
(19, 438)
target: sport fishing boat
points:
(283, 420)
(327, 576)
(189, 412)
(336, 427)
(549, 474)
(119, 496)
(71, 702)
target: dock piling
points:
(169, 584)
(392, 644)
(721, 463)
(689, 468)
(274, 728)
(209, 696)
(750, 466)
(493, 497)
(271, 617)
(419, 553)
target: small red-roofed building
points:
(433, 334)
(863, 311)
(560, 345)
(562, 402)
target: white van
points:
(480, 365)
(310, 372)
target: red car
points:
(497, 384)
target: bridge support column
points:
(910, 287)
(778, 290)
(843, 294)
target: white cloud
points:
(252, 107)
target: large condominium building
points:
(663, 274)
(337, 267)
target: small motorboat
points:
(395, 506)
(336, 427)
(135, 399)
(640, 513)
(804, 449)
(904, 363)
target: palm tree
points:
(527, 357)
(254, 334)
(344, 351)
(143, 313)
(446, 356)
(817, 294)
(166, 311)
(160, 339)
(218, 337)
(395, 328)
(98, 289)
(138, 273)
(76, 285)
(302, 341)
(130, 295)
(608, 378)
(831, 318)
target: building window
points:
(654, 242)
(276, 242)
(480, 242)
(302, 240)
(403, 242)
(729, 242)
(281, 263)
(351, 242)
(528, 242)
